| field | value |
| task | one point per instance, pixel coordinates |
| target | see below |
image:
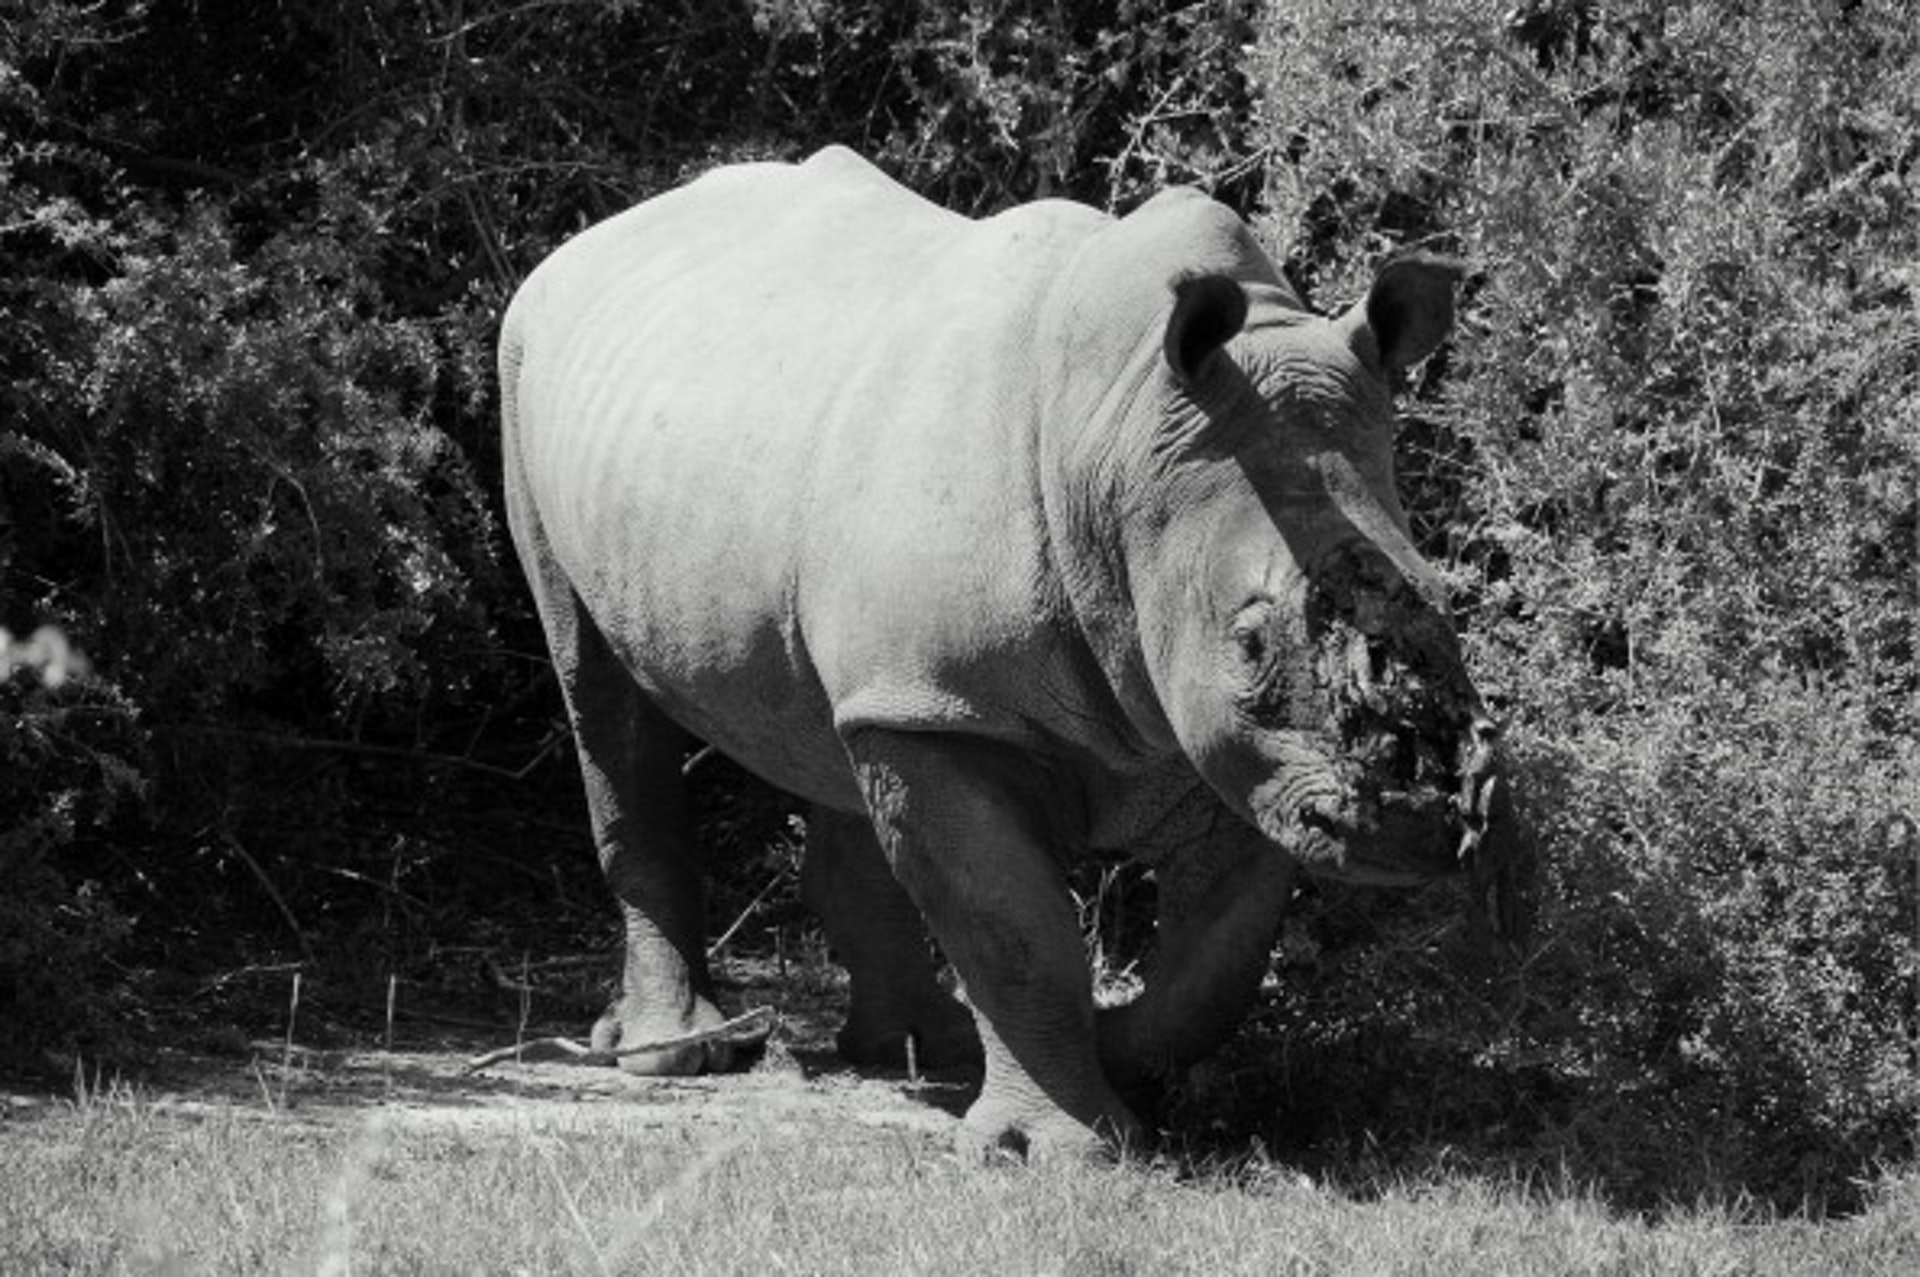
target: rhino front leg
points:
(1221, 898)
(630, 762)
(882, 941)
(964, 825)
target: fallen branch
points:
(751, 1026)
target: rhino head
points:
(1256, 595)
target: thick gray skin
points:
(1001, 540)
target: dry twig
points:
(748, 1027)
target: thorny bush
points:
(1670, 466)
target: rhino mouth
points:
(1415, 811)
(1392, 813)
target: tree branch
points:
(281, 740)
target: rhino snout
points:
(1403, 771)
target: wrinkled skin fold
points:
(996, 541)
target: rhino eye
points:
(1250, 632)
(1253, 646)
(1260, 665)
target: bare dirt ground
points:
(424, 1083)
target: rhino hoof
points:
(993, 1137)
(685, 1061)
(627, 1040)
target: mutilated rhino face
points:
(1355, 739)
(1300, 646)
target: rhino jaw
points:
(1349, 828)
(1337, 817)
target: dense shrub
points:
(1089, 99)
(71, 804)
(1670, 467)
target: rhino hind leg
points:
(965, 824)
(881, 939)
(630, 760)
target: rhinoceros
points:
(1000, 542)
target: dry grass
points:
(115, 1183)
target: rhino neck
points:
(1119, 507)
(1082, 486)
(1105, 396)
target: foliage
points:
(1671, 468)
(71, 797)
(1099, 101)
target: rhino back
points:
(778, 429)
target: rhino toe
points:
(629, 1039)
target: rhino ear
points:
(1408, 312)
(1207, 311)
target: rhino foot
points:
(621, 1029)
(1001, 1130)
